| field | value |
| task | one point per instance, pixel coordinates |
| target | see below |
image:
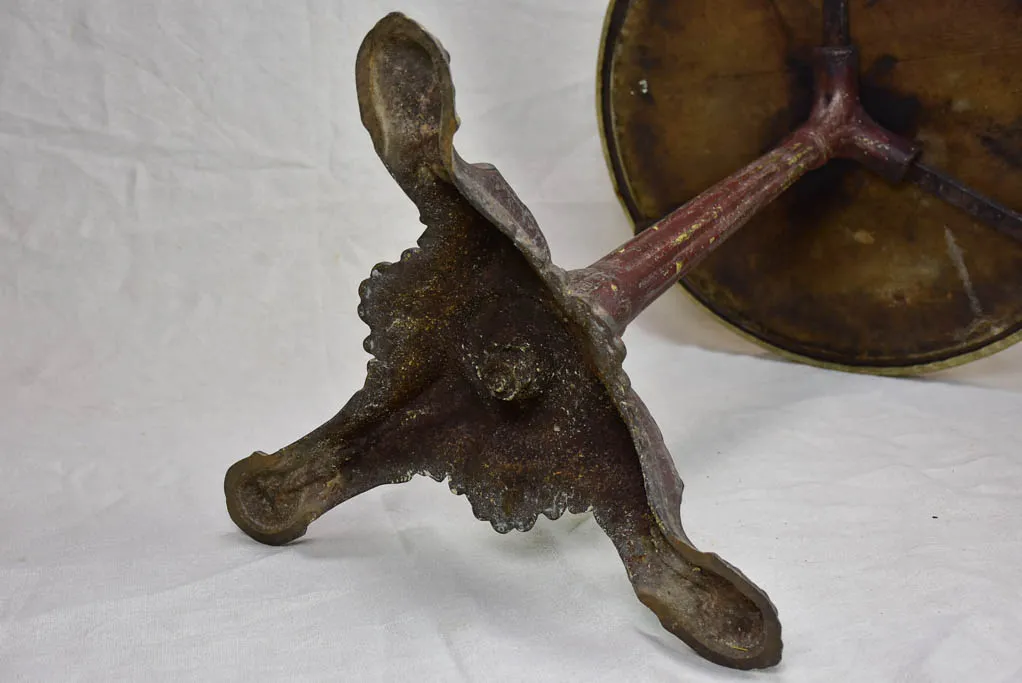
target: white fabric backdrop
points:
(187, 205)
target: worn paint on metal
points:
(797, 279)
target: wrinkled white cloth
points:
(187, 205)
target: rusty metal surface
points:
(846, 269)
(497, 371)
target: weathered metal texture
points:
(498, 371)
(846, 269)
(837, 127)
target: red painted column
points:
(625, 282)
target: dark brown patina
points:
(501, 373)
(849, 268)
